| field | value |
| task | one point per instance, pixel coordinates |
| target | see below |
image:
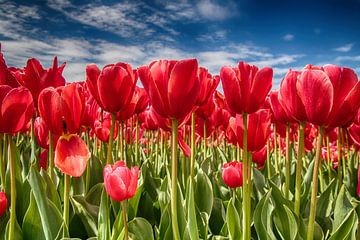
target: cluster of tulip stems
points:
(177, 159)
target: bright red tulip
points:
(259, 157)
(113, 87)
(289, 99)
(246, 87)
(317, 93)
(172, 86)
(205, 110)
(17, 107)
(232, 174)
(142, 100)
(42, 133)
(258, 129)
(346, 95)
(36, 78)
(102, 129)
(120, 181)
(277, 109)
(208, 84)
(62, 108)
(3, 203)
(43, 159)
(71, 155)
(6, 77)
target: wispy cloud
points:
(213, 36)
(348, 58)
(344, 48)
(288, 37)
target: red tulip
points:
(246, 87)
(17, 107)
(277, 109)
(316, 92)
(258, 129)
(62, 108)
(42, 133)
(6, 77)
(120, 182)
(205, 110)
(346, 95)
(71, 155)
(259, 157)
(289, 99)
(102, 129)
(3, 203)
(208, 85)
(113, 87)
(44, 159)
(172, 86)
(36, 78)
(232, 174)
(142, 100)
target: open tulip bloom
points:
(197, 161)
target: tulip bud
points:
(232, 174)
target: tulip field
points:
(163, 152)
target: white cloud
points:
(288, 37)
(344, 48)
(213, 36)
(347, 58)
(213, 11)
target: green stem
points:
(342, 144)
(51, 157)
(328, 156)
(88, 168)
(299, 168)
(136, 139)
(174, 172)
(121, 135)
(276, 152)
(192, 156)
(287, 161)
(205, 140)
(339, 169)
(268, 159)
(123, 206)
(66, 199)
(12, 190)
(310, 233)
(109, 159)
(246, 185)
(2, 165)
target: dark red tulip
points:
(71, 155)
(232, 174)
(172, 86)
(258, 129)
(17, 107)
(62, 108)
(208, 84)
(317, 93)
(102, 129)
(36, 78)
(259, 157)
(358, 184)
(6, 76)
(120, 182)
(289, 98)
(205, 110)
(142, 100)
(42, 133)
(44, 159)
(245, 87)
(113, 87)
(346, 95)
(3, 203)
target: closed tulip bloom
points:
(71, 155)
(102, 129)
(41, 132)
(258, 129)
(316, 92)
(245, 86)
(3, 203)
(172, 86)
(208, 84)
(259, 157)
(113, 87)
(289, 98)
(277, 109)
(346, 95)
(142, 100)
(16, 107)
(6, 76)
(120, 181)
(232, 174)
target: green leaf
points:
(203, 193)
(51, 218)
(31, 227)
(324, 203)
(17, 231)
(87, 214)
(346, 229)
(262, 218)
(191, 223)
(217, 218)
(140, 229)
(51, 190)
(233, 221)
(104, 217)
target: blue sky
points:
(280, 34)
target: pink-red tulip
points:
(120, 181)
(245, 86)
(232, 174)
(208, 84)
(172, 86)
(102, 129)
